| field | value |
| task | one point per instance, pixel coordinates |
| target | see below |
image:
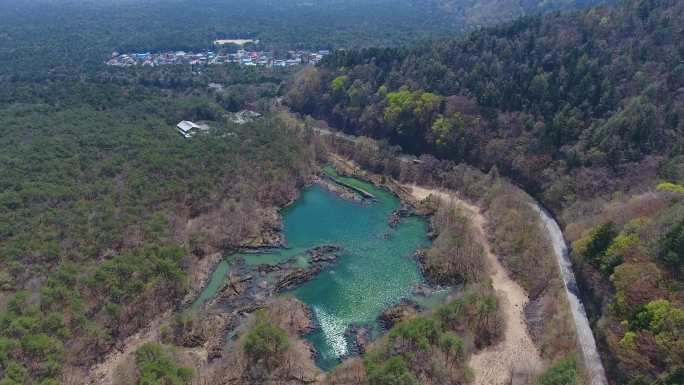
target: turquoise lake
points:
(374, 270)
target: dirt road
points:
(517, 352)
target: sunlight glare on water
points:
(374, 270)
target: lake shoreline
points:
(228, 318)
(359, 336)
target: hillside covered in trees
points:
(584, 110)
(566, 104)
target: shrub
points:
(452, 314)
(16, 372)
(186, 329)
(666, 322)
(6, 347)
(41, 346)
(392, 372)
(418, 333)
(671, 251)
(674, 377)
(598, 242)
(476, 313)
(156, 367)
(671, 187)
(615, 254)
(266, 343)
(635, 284)
(452, 345)
(629, 341)
(563, 372)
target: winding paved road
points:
(592, 360)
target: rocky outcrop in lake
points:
(339, 190)
(254, 284)
(396, 216)
(405, 310)
(359, 337)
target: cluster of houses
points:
(241, 57)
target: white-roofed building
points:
(188, 128)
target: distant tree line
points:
(61, 35)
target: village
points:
(219, 57)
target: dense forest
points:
(564, 104)
(62, 34)
(106, 211)
(584, 110)
(97, 189)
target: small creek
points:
(374, 270)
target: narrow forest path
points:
(516, 352)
